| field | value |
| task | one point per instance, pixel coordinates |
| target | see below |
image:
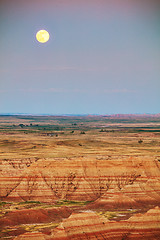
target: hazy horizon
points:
(102, 58)
(87, 114)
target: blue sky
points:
(102, 58)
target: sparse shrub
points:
(21, 125)
(2, 203)
(140, 141)
(82, 132)
(102, 130)
(29, 202)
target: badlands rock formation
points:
(88, 225)
(31, 236)
(113, 181)
(28, 216)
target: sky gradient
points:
(103, 57)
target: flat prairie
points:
(100, 171)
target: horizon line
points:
(83, 114)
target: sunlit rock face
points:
(109, 182)
(29, 236)
(80, 225)
(88, 225)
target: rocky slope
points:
(113, 181)
(28, 216)
(88, 225)
(34, 236)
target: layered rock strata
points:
(135, 180)
(30, 216)
(88, 225)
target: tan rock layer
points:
(88, 225)
(84, 179)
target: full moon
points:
(42, 36)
